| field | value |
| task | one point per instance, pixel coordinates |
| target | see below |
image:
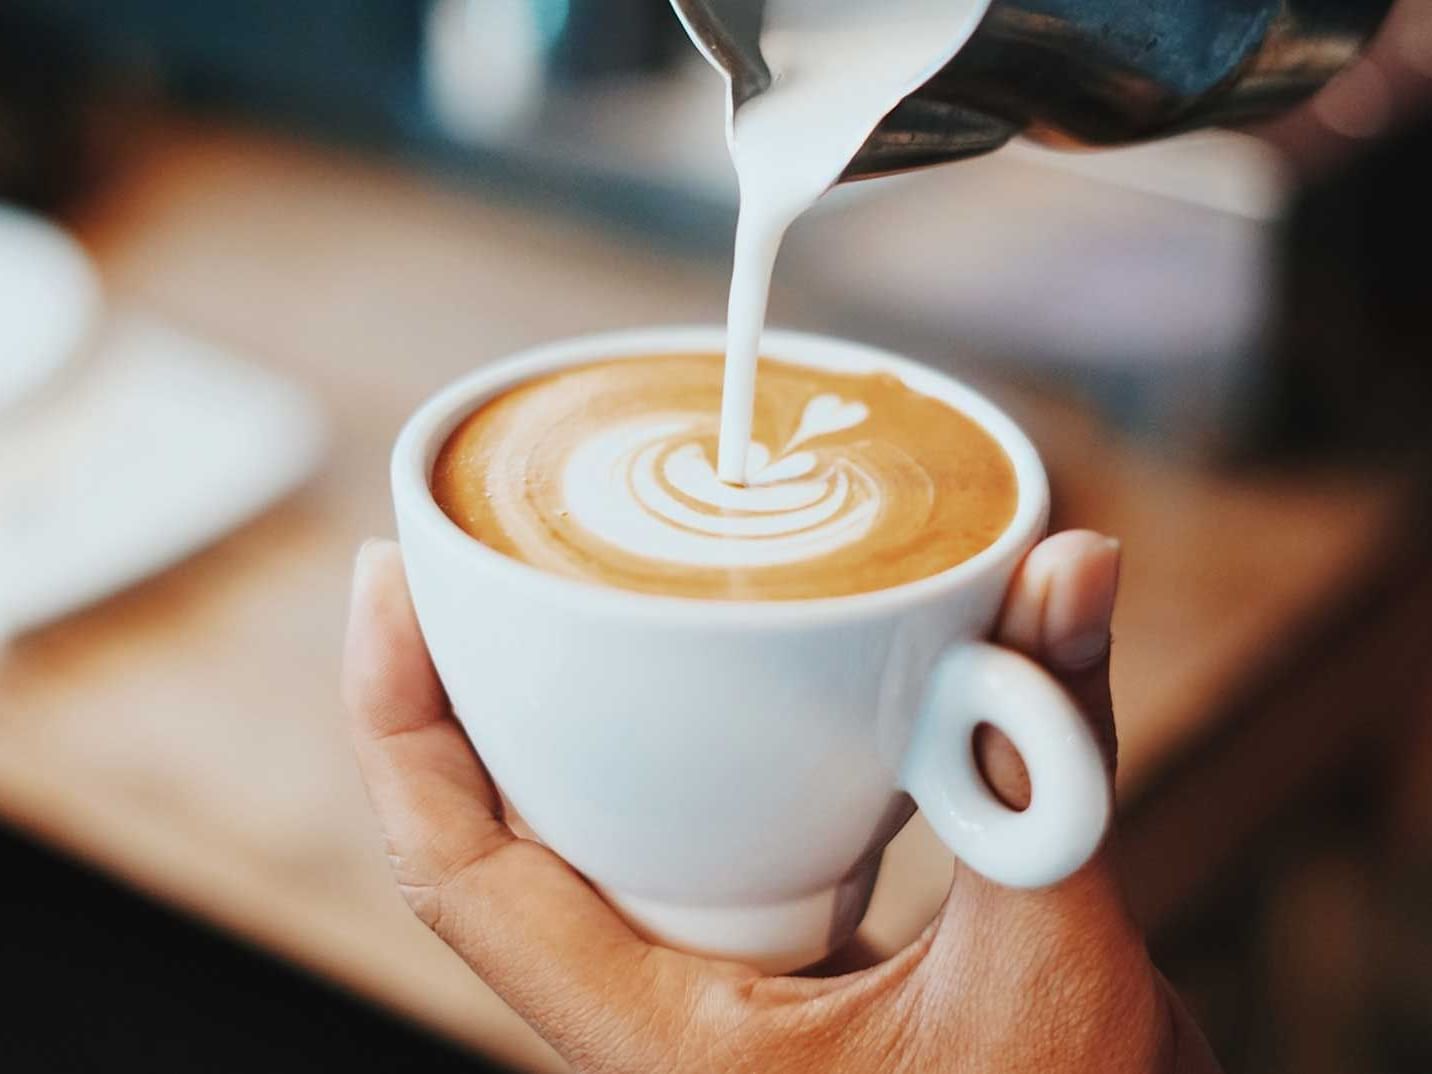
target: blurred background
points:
(239, 242)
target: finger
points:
(1009, 946)
(1061, 603)
(1058, 612)
(523, 919)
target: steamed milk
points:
(840, 66)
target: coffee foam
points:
(607, 473)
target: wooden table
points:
(187, 735)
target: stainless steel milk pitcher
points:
(1083, 72)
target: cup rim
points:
(428, 428)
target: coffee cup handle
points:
(974, 684)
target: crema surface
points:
(607, 473)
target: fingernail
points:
(1080, 610)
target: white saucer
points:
(158, 446)
(49, 301)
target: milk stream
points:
(839, 67)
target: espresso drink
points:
(607, 473)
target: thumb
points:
(1058, 612)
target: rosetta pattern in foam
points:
(648, 487)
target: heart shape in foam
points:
(826, 414)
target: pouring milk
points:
(839, 67)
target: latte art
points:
(649, 488)
(608, 472)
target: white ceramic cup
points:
(728, 774)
